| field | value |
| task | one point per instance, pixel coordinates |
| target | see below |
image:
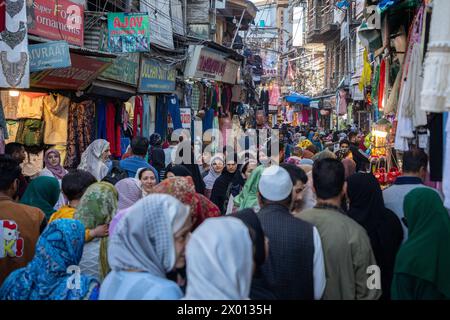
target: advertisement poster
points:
(61, 20)
(50, 55)
(128, 32)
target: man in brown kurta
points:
(346, 246)
(20, 225)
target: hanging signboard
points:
(156, 77)
(205, 63)
(78, 77)
(128, 32)
(61, 20)
(124, 69)
(50, 55)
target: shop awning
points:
(298, 98)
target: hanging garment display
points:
(435, 95)
(30, 106)
(14, 59)
(13, 127)
(195, 96)
(173, 105)
(381, 84)
(56, 115)
(152, 124)
(366, 75)
(146, 116)
(138, 116)
(81, 131)
(342, 102)
(446, 182)
(161, 117)
(436, 127)
(3, 125)
(10, 105)
(100, 112)
(30, 132)
(391, 105)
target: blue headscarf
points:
(46, 277)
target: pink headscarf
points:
(350, 167)
(58, 171)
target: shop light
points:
(14, 93)
(380, 134)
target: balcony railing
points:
(321, 26)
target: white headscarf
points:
(143, 239)
(211, 177)
(91, 159)
(219, 260)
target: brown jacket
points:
(19, 231)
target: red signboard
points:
(78, 77)
(56, 20)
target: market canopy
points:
(298, 98)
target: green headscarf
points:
(426, 253)
(97, 206)
(42, 193)
(248, 198)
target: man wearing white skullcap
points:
(295, 267)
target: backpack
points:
(115, 174)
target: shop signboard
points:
(50, 55)
(124, 69)
(56, 20)
(156, 77)
(128, 32)
(78, 77)
(210, 64)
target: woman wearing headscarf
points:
(248, 198)
(219, 193)
(177, 171)
(148, 178)
(349, 166)
(183, 189)
(156, 156)
(42, 193)
(259, 286)
(94, 158)
(219, 261)
(382, 225)
(53, 168)
(238, 182)
(130, 192)
(148, 243)
(97, 207)
(422, 264)
(46, 277)
(215, 170)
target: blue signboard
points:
(156, 76)
(50, 55)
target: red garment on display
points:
(111, 127)
(138, 115)
(381, 84)
(2, 15)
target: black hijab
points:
(220, 189)
(382, 225)
(178, 170)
